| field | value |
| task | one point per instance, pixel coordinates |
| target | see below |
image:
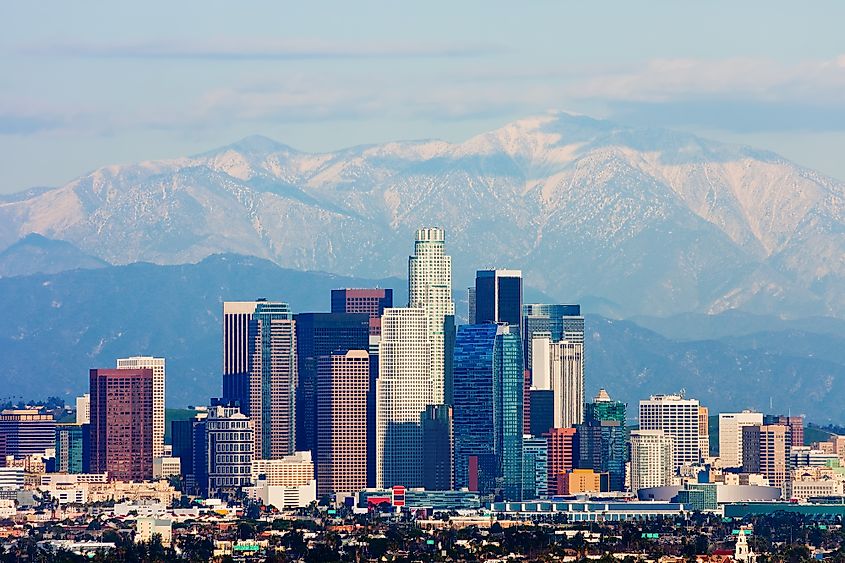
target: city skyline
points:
(458, 282)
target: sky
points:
(90, 83)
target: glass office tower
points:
(488, 393)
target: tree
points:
(197, 548)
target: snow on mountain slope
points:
(656, 221)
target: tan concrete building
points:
(343, 384)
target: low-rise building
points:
(166, 467)
(147, 527)
(288, 482)
(12, 477)
(582, 481)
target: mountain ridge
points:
(659, 221)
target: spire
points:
(602, 396)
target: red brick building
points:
(562, 452)
(122, 423)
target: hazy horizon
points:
(88, 86)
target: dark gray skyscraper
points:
(319, 335)
(498, 297)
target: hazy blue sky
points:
(85, 84)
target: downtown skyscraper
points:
(260, 371)
(498, 297)
(404, 390)
(158, 367)
(430, 289)
(319, 335)
(488, 409)
(558, 321)
(343, 386)
(237, 316)
(678, 418)
(121, 428)
(273, 377)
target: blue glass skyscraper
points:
(510, 383)
(488, 392)
(475, 457)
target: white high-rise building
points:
(567, 376)
(430, 289)
(541, 362)
(229, 449)
(678, 418)
(652, 463)
(157, 365)
(559, 366)
(403, 390)
(83, 409)
(730, 435)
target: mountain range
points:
(57, 326)
(633, 221)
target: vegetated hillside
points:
(56, 327)
(35, 254)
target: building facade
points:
(488, 403)
(559, 322)
(430, 289)
(535, 468)
(438, 445)
(652, 459)
(509, 382)
(404, 389)
(284, 483)
(476, 465)
(83, 409)
(498, 298)
(27, 432)
(230, 444)
(678, 417)
(730, 435)
(237, 316)
(567, 376)
(343, 388)
(765, 451)
(372, 301)
(121, 428)
(69, 441)
(562, 444)
(318, 335)
(158, 367)
(603, 448)
(273, 378)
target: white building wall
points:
(652, 463)
(567, 377)
(730, 435)
(541, 367)
(430, 288)
(403, 389)
(678, 418)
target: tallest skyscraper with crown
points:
(430, 288)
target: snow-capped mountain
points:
(655, 221)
